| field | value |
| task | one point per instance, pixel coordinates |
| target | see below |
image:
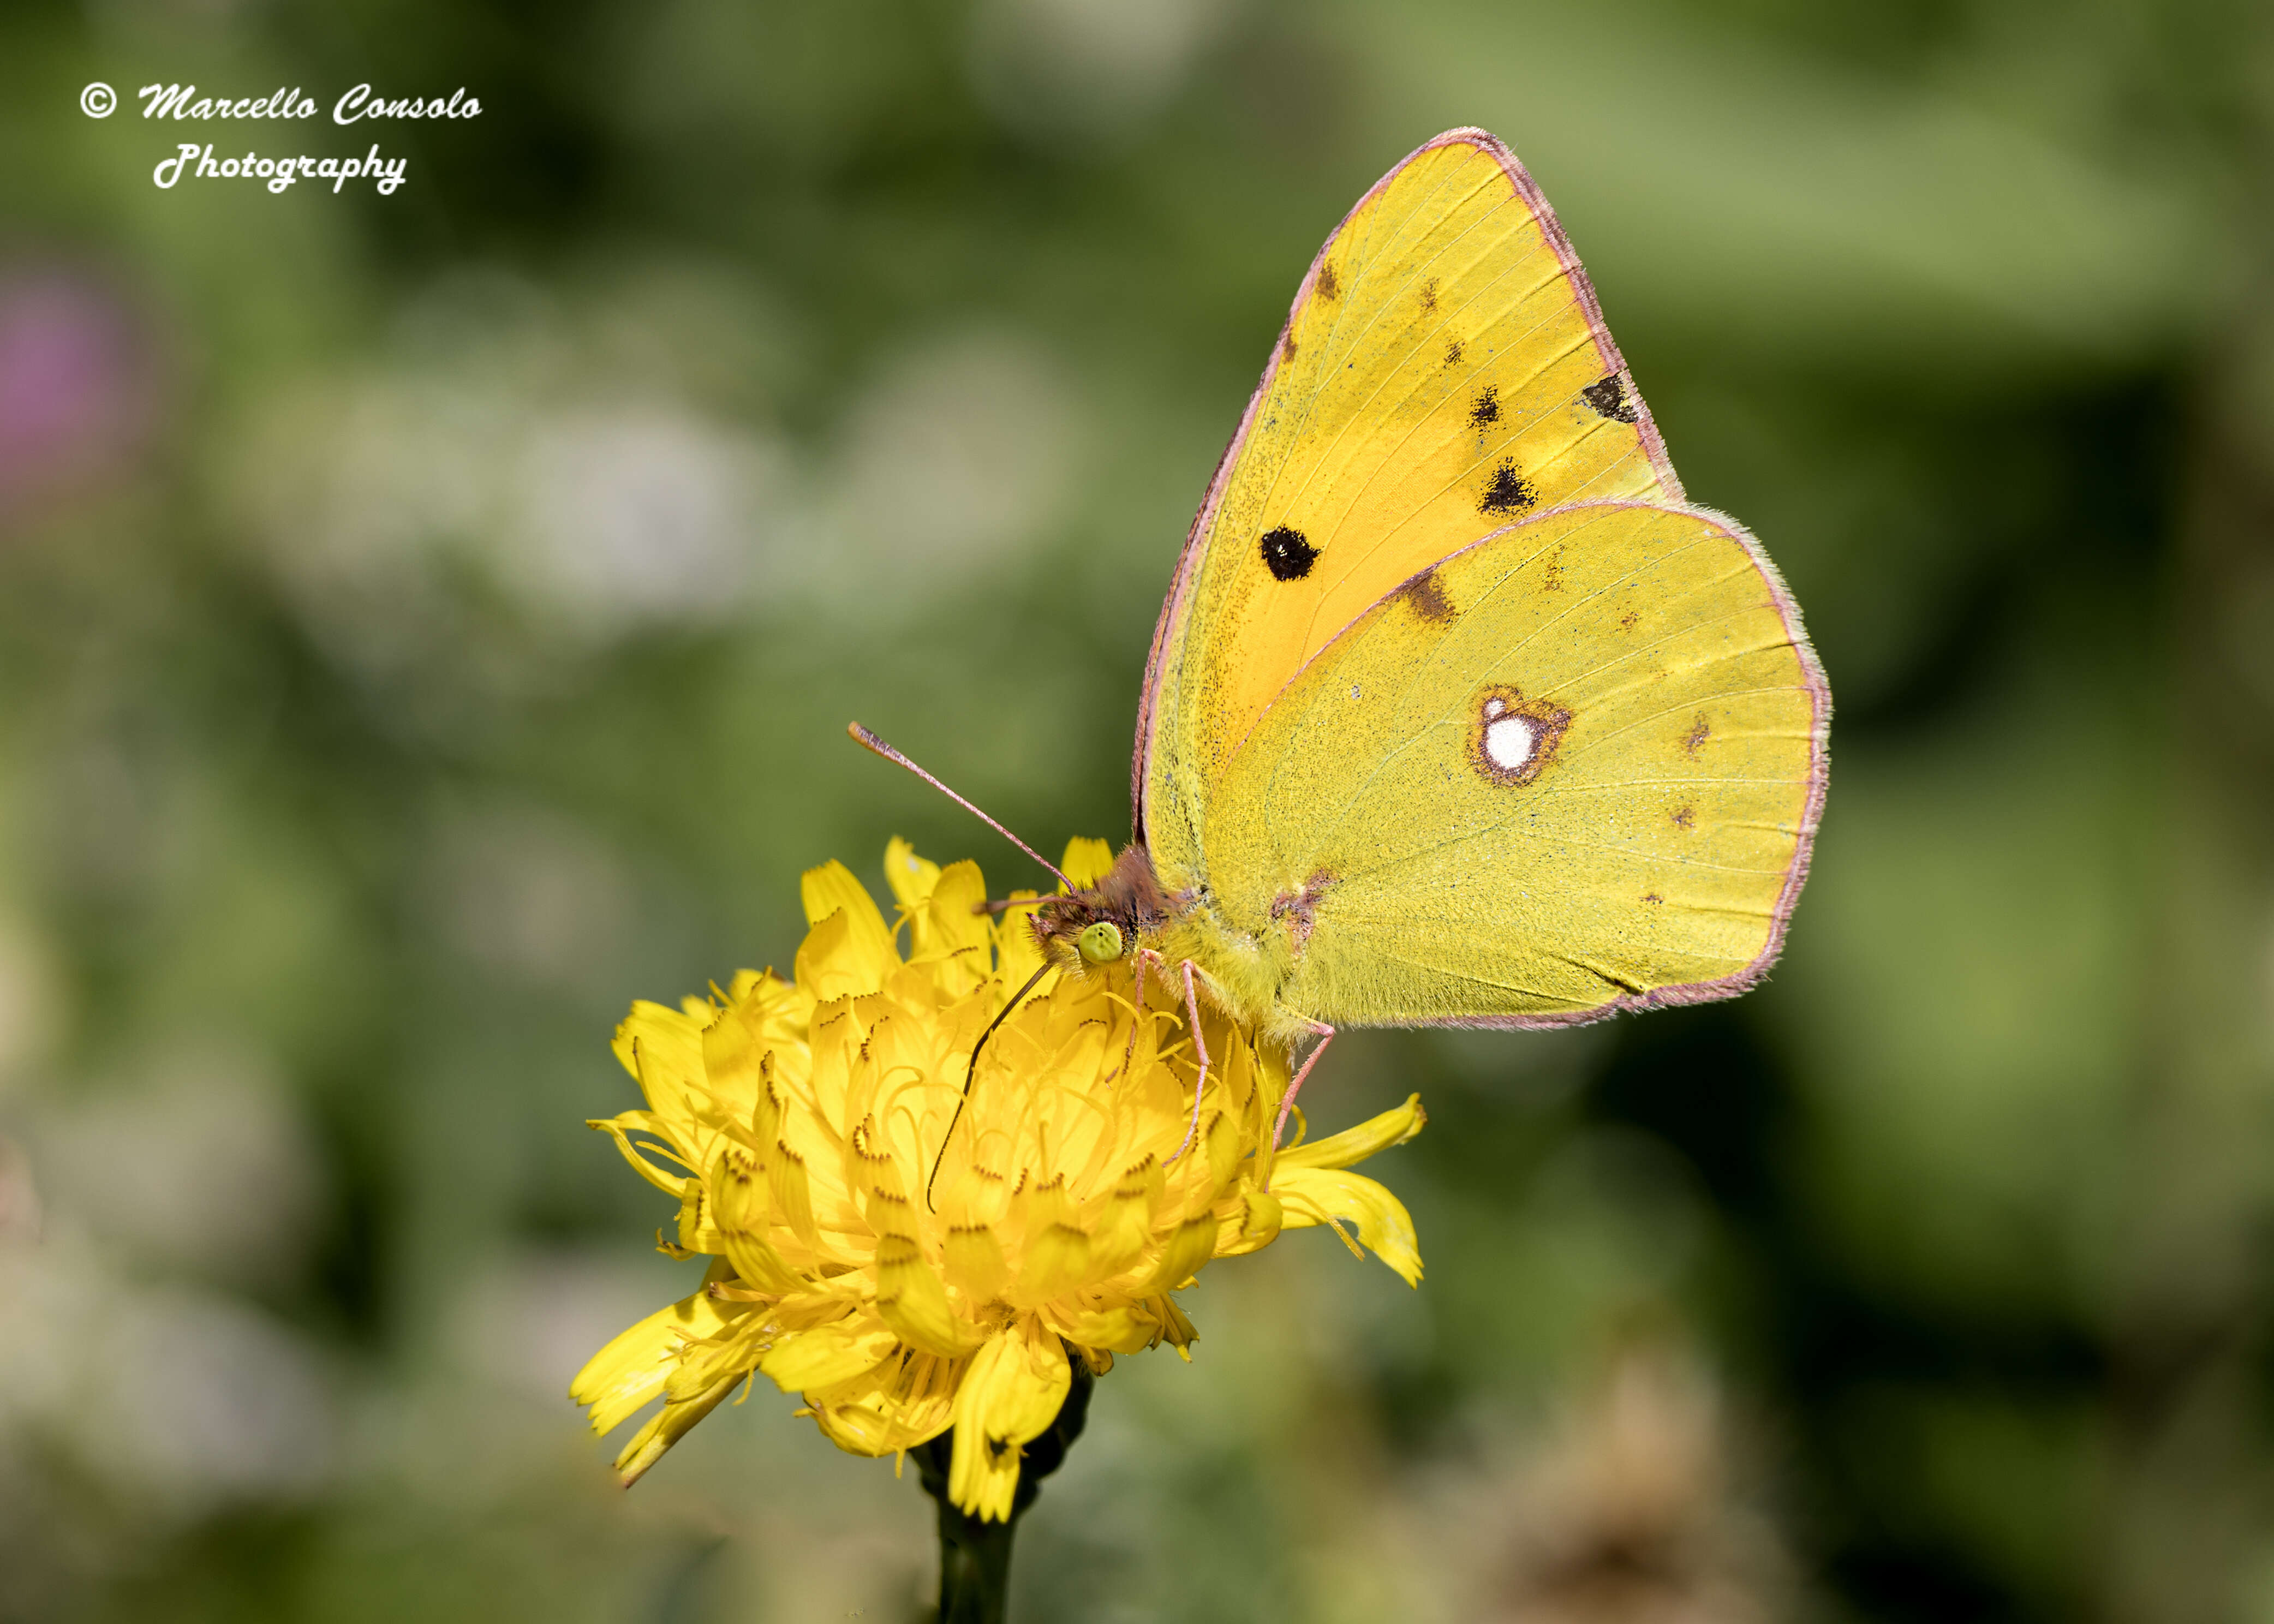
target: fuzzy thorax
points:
(1240, 974)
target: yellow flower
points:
(912, 1255)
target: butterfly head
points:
(1083, 931)
(1102, 925)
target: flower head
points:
(912, 1249)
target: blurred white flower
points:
(955, 461)
(513, 488)
(622, 515)
(530, 897)
(201, 1165)
(30, 1001)
(517, 490)
(180, 1401)
(382, 507)
(526, 1323)
(20, 1199)
(1095, 67)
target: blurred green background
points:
(427, 622)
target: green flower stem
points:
(975, 1557)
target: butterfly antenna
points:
(867, 741)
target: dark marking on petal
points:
(1509, 492)
(1609, 396)
(1300, 908)
(1427, 595)
(1697, 735)
(1685, 818)
(1287, 555)
(1429, 294)
(1453, 353)
(1331, 286)
(1484, 409)
(1549, 723)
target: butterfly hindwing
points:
(1576, 766)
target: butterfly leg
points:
(1137, 1013)
(1193, 1014)
(1287, 1101)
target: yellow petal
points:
(1086, 862)
(875, 1175)
(1121, 1329)
(792, 1192)
(1123, 1228)
(911, 877)
(1192, 1244)
(728, 1357)
(913, 1302)
(616, 1128)
(867, 949)
(745, 983)
(974, 1263)
(1355, 1144)
(1253, 1223)
(633, 1368)
(668, 1426)
(1016, 954)
(829, 1354)
(951, 926)
(907, 1399)
(740, 1197)
(1323, 1195)
(734, 1055)
(1220, 1139)
(1057, 1260)
(829, 966)
(1176, 1330)
(1010, 1396)
(671, 1056)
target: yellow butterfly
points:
(1457, 713)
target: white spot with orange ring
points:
(1508, 739)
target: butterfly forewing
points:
(1444, 371)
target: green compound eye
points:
(1101, 942)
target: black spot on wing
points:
(1484, 409)
(1509, 492)
(1286, 554)
(1609, 396)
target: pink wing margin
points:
(1172, 610)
